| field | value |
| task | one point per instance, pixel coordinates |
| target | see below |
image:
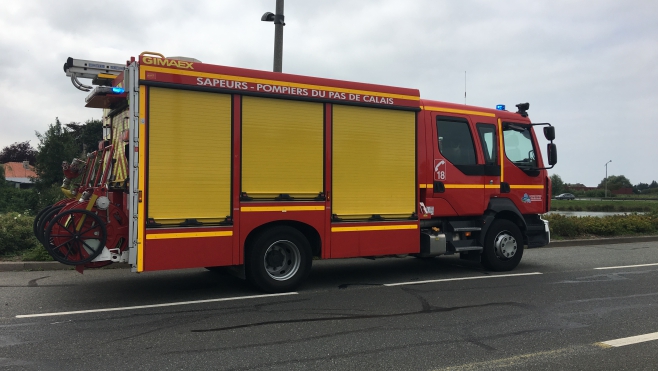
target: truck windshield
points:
(518, 145)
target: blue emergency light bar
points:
(121, 90)
(500, 107)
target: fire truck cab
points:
(212, 166)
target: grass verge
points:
(612, 206)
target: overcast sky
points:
(588, 67)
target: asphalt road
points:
(556, 311)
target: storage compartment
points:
(189, 157)
(282, 148)
(373, 165)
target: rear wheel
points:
(44, 220)
(278, 259)
(35, 224)
(503, 246)
(75, 237)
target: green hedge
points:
(16, 233)
(28, 200)
(616, 225)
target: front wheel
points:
(503, 246)
(278, 259)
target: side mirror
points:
(549, 132)
(552, 152)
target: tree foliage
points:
(616, 182)
(646, 188)
(55, 146)
(18, 152)
(87, 135)
(63, 143)
(557, 185)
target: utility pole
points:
(606, 179)
(278, 19)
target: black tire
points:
(43, 222)
(278, 259)
(503, 246)
(75, 237)
(35, 224)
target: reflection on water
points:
(598, 214)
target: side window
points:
(487, 135)
(455, 141)
(518, 145)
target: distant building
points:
(578, 187)
(623, 191)
(19, 174)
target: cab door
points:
(458, 165)
(521, 180)
(487, 132)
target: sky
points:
(590, 68)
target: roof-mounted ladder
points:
(100, 73)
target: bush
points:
(16, 233)
(18, 200)
(28, 200)
(562, 226)
(572, 226)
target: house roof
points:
(16, 170)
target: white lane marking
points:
(152, 305)
(631, 340)
(460, 279)
(629, 266)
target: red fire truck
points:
(211, 166)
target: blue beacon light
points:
(117, 90)
(500, 107)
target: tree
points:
(653, 184)
(2, 176)
(557, 185)
(63, 143)
(638, 188)
(55, 146)
(616, 182)
(87, 135)
(18, 152)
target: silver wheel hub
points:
(282, 260)
(505, 245)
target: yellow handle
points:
(153, 53)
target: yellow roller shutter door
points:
(282, 148)
(374, 161)
(189, 156)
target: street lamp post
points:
(606, 178)
(278, 19)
